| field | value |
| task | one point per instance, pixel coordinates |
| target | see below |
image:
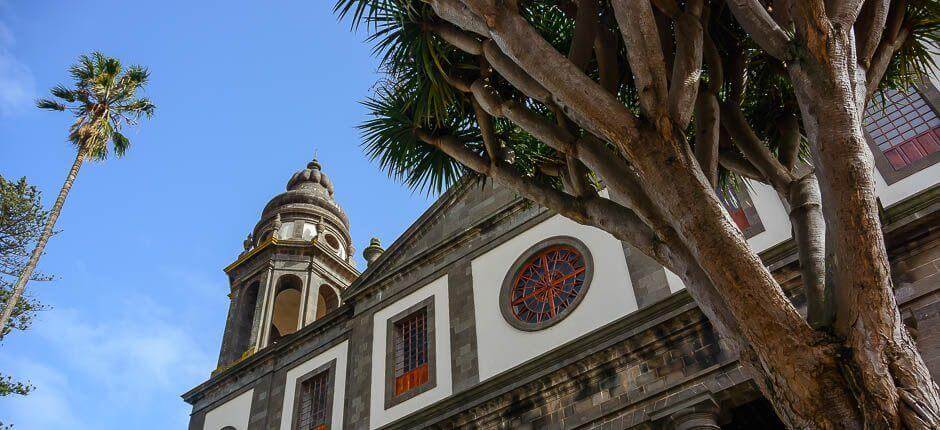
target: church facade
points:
(491, 312)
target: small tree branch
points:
(732, 119)
(707, 130)
(736, 163)
(485, 123)
(755, 19)
(790, 138)
(881, 60)
(606, 46)
(460, 39)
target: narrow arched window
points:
(327, 300)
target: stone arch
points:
(245, 316)
(285, 316)
(327, 300)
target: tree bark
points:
(21, 282)
(891, 382)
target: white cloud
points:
(47, 406)
(137, 351)
(17, 87)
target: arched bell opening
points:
(285, 317)
(327, 301)
(245, 316)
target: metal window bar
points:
(411, 352)
(313, 403)
(903, 126)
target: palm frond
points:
(49, 105)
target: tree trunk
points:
(27, 272)
(892, 384)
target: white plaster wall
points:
(235, 413)
(900, 190)
(610, 296)
(340, 354)
(380, 416)
(773, 215)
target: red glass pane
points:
(547, 284)
(930, 142)
(411, 352)
(894, 157)
(740, 218)
(412, 379)
(912, 150)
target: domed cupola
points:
(307, 212)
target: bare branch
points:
(516, 76)
(882, 58)
(606, 46)
(458, 38)
(732, 119)
(485, 123)
(707, 129)
(460, 15)
(869, 29)
(734, 162)
(789, 128)
(687, 67)
(845, 12)
(755, 19)
(585, 31)
(644, 52)
(593, 108)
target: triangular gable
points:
(463, 206)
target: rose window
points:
(547, 283)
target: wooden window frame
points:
(329, 367)
(391, 337)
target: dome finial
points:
(314, 164)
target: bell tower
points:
(296, 262)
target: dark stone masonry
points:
(658, 367)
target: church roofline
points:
(450, 196)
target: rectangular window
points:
(411, 352)
(738, 203)
(313, 399)
(903, 130)
(410, 362)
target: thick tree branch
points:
(644, 51)
(755, 19)
(459, 14)
(687, 67)
(585, 31)
(869, 29)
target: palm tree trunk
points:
(41, 244)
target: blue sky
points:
(246, 92)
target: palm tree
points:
(103, 101)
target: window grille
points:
(903, 126)
(411, 352)
(314, 401)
